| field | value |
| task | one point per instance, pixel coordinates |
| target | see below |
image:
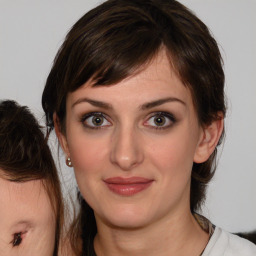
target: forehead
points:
(156, 79)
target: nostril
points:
(20, 231)
(16, 239)
(126, 152)
(127, 162)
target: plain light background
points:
(31, 32)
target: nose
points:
(126, 150)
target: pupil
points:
(160, 120)
(97, 120)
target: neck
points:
(167, 237)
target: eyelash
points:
(17, 239)
(166, 115)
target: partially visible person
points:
(31, 206)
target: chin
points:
(127, 218)
(128, 223)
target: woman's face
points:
(27, 220)
(133, 144)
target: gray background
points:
(31, 32)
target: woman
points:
(137, 101)
(31, 210)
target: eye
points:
(160, 120)
(17, 239)
(95, 120)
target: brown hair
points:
(119, 38)
(25, 155)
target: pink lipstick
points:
(127, 186)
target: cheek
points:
(173, 153)
(87, 153)
(172, 157)
(89, 156)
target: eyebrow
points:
(159, 102)
(144, 106)
(95, 103)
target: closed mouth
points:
(127, 186)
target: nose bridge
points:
(126, 151)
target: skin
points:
(25, 208)
(129, 144)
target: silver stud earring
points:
(68, 162)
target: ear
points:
(61, 137)
(209, 139)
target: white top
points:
(223, 243)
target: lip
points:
(127, 186)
